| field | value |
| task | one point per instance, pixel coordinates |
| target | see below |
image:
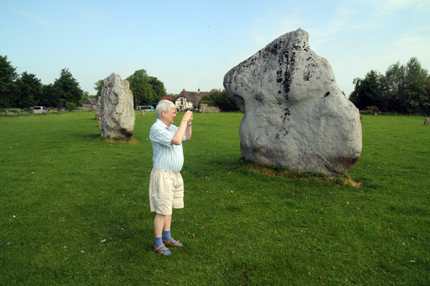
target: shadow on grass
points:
(118, 140)
(86, 136)
(275, 171)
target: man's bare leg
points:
(166, 232)
(159, 223)
(167, 222)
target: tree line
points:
(219, 98)
(26, 90)
(147, 90)
(403, 89)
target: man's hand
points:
(188, 117)
(184, 129)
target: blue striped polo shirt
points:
(166, 156)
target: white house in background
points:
(188, 99)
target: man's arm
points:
(188, 131)
(179, 136)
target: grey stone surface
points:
(295, 116)
(98, 110)
(115, 106)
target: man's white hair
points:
(164, 105)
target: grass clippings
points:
(274, 171)
(130, 140)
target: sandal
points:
(162, 251)
(171, 243)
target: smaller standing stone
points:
(117, 116)
(376, 114)
(427, 121)
(143, 112)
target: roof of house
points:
(169, 97)
(192, 96)
(90, 101)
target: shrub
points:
(70, 106)
(209, 103)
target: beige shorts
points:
(166, 191)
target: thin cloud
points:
(344, 20)
(413, 46)
(44, 22)
(71, 25)
(93, 15)
(35, 18)
(390, 6)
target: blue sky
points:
(193, 44)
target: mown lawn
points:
(75, 210)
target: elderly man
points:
(166, 187)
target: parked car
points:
(40, 109)
(191, 109)
(146, 108)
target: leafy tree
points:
(143, 94)
(146, 89)
(210, 95)
(98, 86)
(404, 88)
(51, 96)
(206, 97)
(426, 103)
(220, 99)
(157, 87)
(7, 82)
(366, 91)
(69, 87)
(416, 79)
(28, 90)
(395, 86)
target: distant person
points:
(166, 187)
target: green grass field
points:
(75, 211)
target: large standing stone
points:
(116, 108)
(295, 116)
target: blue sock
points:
(158, 242)
(167, 236)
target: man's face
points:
(170, 116)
